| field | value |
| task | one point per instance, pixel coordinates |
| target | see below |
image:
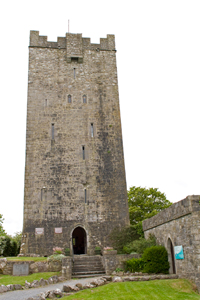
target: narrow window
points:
(41, 194)
(85, 195)
(74, 73)
(92, 130)
(45, 102)
(52, 131)
(83, 151)
(84, 99)
(69, 99)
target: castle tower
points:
(75, 187)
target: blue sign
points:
(178, 250)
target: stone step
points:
(88, 270)
(88, 275)
(97, 264)
(86, 266)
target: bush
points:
(55, 257)
(140, 245)
(155, 260)
(120, 237)
(134, 265)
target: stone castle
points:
(75, 186)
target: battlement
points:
(176, 210)
(72, 41)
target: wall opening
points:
(79, 241)
(171, 257)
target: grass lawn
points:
(173, 289)
(8, 279)
(16, 258)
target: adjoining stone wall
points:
(65, 188)
(113, 261)
(179, 225)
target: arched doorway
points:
(79, 241)
(171, 257)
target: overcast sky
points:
(158, 59)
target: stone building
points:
(179, 225)
(75, 186)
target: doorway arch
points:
(171, 257)
(79, 241)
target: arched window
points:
(69, 99)
(84, 99)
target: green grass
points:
(16, 258)
(8, 279)
(173, 289)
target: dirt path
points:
(24, 294)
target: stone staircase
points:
(87, 266)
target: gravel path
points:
(24, 294)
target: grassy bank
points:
(16, 258)
(8, 279)
(180, 289)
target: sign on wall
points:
(178, 250)
(39, 231)
(58, 230)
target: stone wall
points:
(113, 261)
(74, 173)
(6, 267)
(179, 225)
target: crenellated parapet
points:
(72, 42)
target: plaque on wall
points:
(178, 250)
(58, 230)
(39, 231)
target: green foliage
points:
(118, 270)
(2, 231)
(10, 247)
(139, 229)
(138, 246)
(17, 239)
(67, 252)
(134, 265)
(145, 203)
(120, 237)
(2, 244)
(55, 257)
(155, 260)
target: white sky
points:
(158, 59)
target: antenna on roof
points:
(68, 26)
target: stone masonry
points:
(179, 225)
(74, 173)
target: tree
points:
(17, 239)
(2, 231)
(145, 203)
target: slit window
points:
(92, 130)
(74, 73)
(84, 99)
(69, 99)
(52, 131)
(83, 152)
(85, 195)
(74, 59)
